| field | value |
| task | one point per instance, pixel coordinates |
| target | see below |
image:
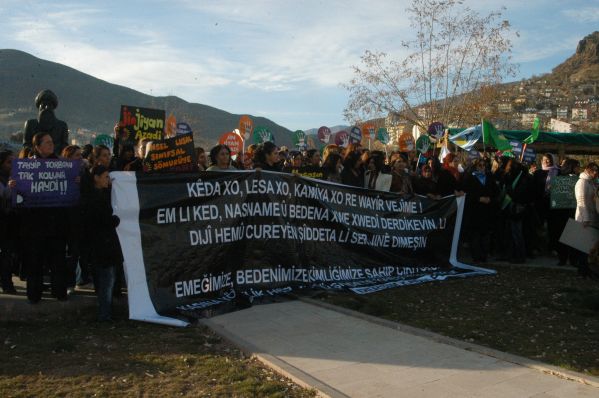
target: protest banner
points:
(197, 243)
(308, 172)
(172, 155)
(324, 134)
(561, 193)
(233, 141)
(45, 182)
(137, 123)
(246, 126)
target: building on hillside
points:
(528, 118)
(562, 113)
(560, 126)
(504, 107)
(546, 113)
(580, 114)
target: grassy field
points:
(548, 315)
(70, 354)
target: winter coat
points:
(100, 226)
(584, 190)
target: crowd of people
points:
(507, 206)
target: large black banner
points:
(194, 242)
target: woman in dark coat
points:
(105, 250)
(518, 200)
(44, 232)
(481, 198)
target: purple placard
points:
(45, 182)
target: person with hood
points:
(105, 251)
(586, 211)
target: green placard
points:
(299, 138)
(262, 135)
(562, 192)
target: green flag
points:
(494, 138)
(534, 133)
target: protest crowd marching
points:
(507, 217)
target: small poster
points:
(172, 155)
(45, 182)
(233, 141)
(137, 123)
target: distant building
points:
(546, 112)
(579, 114)
(504, 107)
(560, 126)
(562, 113)
(528, 118)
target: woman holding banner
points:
(266, 157)
(44, 232)
(220, 157)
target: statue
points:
(46, 101)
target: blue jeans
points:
(104, 278)
(518, 245)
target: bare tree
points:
(450, 73)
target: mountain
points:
(583, 66)
(86, 102)
(334, 129)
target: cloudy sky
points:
(284, 60)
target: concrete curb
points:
(504, 356)
(296, 375)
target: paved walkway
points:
(343, 355)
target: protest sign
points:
(355, 135)
(171, 126)
(137, 123)
(106, 140)
(233, 141)
(246, 126)
(576, 235)
(406, 142)
(183, 128)
(197, 243)
(262, 135)
(436, 130)
(45, 182)
(383, 136)
(423, 143)
(324, 134)
(342, 138)
(562, 192)
(299, 139)
(172, 155)
(530, 155)
(369, 130)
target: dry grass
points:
(71, 355)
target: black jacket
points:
(100, 225)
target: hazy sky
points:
(284, 60)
